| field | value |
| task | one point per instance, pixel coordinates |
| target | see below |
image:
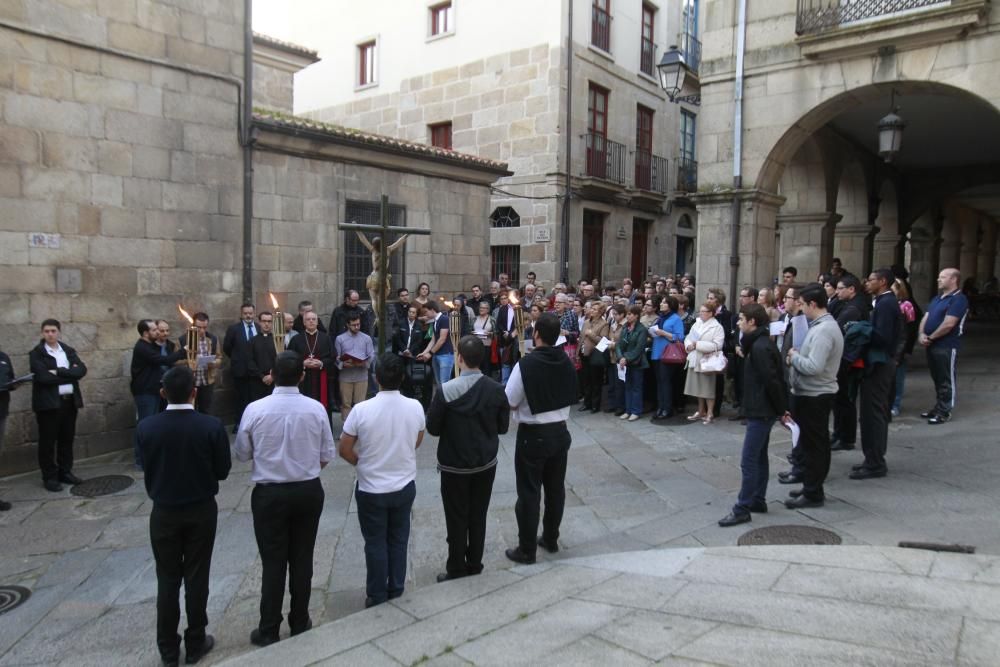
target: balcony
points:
(687, 175)
(650, 172)
(647, 57)
(830, 29)
(691, 48)
(600, 29)
(604, 168)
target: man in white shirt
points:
(540, 390)
(55, 400)
(380, 438)
(287, 434)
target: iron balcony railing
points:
(815, 16)
(600, 29)
(647, 58)
(650, 172)
(691, 48)
(605, 158)
(687, 175)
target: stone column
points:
(950, 248)
(805, 241)
(758, 211)
(923, 267)
(886, 249)
(986, 258)
(969, 249)
(852, 245)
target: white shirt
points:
(519, 403)
(287, 435)
(387, 427)
(61, 362)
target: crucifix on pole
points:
(378, 280)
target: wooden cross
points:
(383, 260)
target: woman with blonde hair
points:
(595, 363)
(706, 339)
(766, 298)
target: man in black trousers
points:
(262, 356)
(540, 391)
(468, 414)
(186, 453)
(56, 399)
(288, 437)
(236, 345)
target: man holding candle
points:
(236, 345)
(204, 373)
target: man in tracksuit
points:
(468, 414)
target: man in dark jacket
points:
(468, 414)
(55, 399)
(236, 346)
(7, 385)
(851, 307)
(149, 359)
(186, 454)
(408, 342)
(764, 399)
(262, 356)
(877, 386)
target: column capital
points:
(814, 217)
(857, 231)
(726, 196)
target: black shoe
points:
(734, 519)
(610, 410)
(789, 479)
(802, 502)
(169, 663)
(868, 473)
(928, 414)
(70, 478)
(52, 485)
(795, 493)
(299, 631)
(759, 508)
(519, 556)
(552, 546)
(938, 419)
(194, 656)
(258, 638)
(5, 506)
(370, 602)
(841, 446)
(860, 466)
(444, 576)
(595, 410)
(583, 408)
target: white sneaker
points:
(625, 416)
(633, 418)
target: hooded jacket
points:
(764, 391)
(468, 415)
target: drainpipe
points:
(246, 139)
(734, 254)
(568, 130)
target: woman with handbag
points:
(482, 328)
(668, 353)
(595, 362)
(704, 347)
(632, 357)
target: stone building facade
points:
(814, 186)
(628, 211)
(121, 192)
(274, 66)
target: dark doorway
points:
(685, 252)
(593, 245)
(640, 245)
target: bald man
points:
(940, 333)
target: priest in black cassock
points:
(262, 356)
(317, 354)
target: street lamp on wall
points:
(673, 70)
(890, 132)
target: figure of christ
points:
(372, 282)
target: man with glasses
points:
(853, 308)
(880, 375)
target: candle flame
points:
(274, 301)
(449, 304)
(513, 297)
(185, 314)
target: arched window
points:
(505, 216)
(685, 222)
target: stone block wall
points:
(120, 187)
(272, 88)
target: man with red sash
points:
(317, 354)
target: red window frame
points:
(440, 19)
(600, 25)
(643, 147)
(366, 63)
(441, 135)
(648, 54)
(597, 110)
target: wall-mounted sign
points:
(38, 240)
(542, 234)
(621, 232)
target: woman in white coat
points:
(705, 340)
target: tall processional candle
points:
(192, 339)
(278, 328)
(454, 328)
(518, 320)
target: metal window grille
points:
(819, 15)
(600, 28)
(504, 216)
(506, 259)
(357, 259)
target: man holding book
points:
(354, 352)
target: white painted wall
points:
(482, 28)
(626, 28)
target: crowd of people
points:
(792, 352)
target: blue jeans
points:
(633, 390)
(505, 372)
(753, 464)
(900, 381)
(385, 525)
(146, 405)
(444, 366)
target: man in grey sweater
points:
(813, 378)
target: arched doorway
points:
(684, 261)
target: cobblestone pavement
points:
(632, 487)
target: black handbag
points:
(417, 371)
